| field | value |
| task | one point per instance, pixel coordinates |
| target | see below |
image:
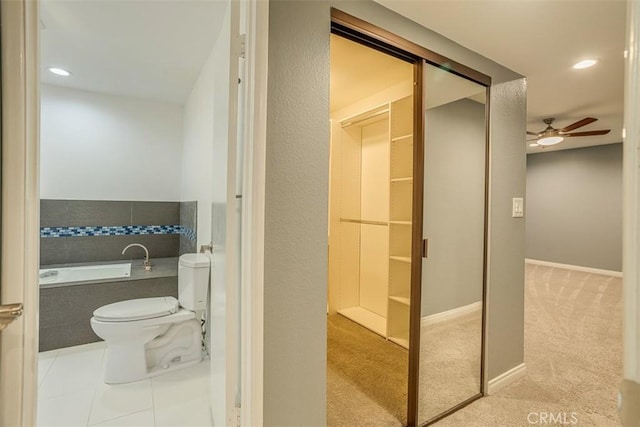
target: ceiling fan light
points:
(585, 64)
(533, 144)
(60, 71)
(550, 140)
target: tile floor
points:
(72, 393)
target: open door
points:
(20, 213)
(226, 217)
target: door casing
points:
(20, 240)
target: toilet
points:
(150, 336)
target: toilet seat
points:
(137, 309)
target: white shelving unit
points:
(400, 216)
(375, 186)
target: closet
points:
(370, 242)
(408, 169)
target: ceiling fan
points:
(551, 135)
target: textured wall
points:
(297, 168)
(296, 204)
(505, 299)
(574, 207)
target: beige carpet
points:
(366, 377)
(449, 364)
(573, 353)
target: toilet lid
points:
(137, 309)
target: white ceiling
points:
(147, 49)
(155, 49)
(542, 39)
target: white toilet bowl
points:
(137, 332)
(150, 336)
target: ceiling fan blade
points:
(578, 124)
(533, 133)
(588, 133)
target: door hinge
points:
(237, 416)
(425, 248)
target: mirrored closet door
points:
(453, 268)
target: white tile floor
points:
(72, 393)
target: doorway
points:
(370, 234)
(134, 150)
(407, 231)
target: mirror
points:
(454, 224)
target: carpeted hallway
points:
(573, 353)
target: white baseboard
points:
(611, 273)
(506, 378)
(451, 314)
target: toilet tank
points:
(193, 281)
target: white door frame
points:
(630, 391)
(252, 262)
(20, 210)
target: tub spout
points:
(147, 263)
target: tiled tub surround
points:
(189, 224)
(74, 231)
(79, 232)
(66, 308)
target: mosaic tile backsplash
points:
(73, 231)
(122, 230)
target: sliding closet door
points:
(453, 269)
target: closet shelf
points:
(364, 221)
(402, 300)
(401, 258)
(400, 138)
(404, 179)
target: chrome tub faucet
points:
(147, 263)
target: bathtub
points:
(84, 273)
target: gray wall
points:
(505, 278)
(453, 222)
(574, 207)
(100, 213)
(295, 293)
(189, 223)
(297, 168)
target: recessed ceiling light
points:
(59, 71)
(585, 64)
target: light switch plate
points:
(518, 207)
